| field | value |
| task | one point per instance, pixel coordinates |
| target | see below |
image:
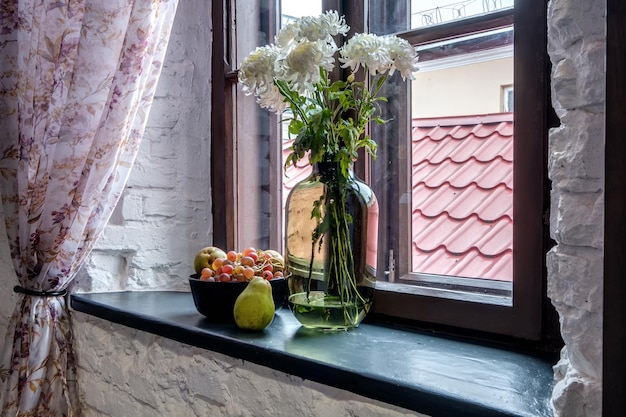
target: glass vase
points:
(331, 224)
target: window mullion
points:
(222, 169)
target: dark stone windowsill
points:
(421, 372)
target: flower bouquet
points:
(329, 119)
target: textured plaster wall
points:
(165, 215)
(130, 373)
(576, 31)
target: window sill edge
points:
(401, 378)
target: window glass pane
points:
(463, 76)
(261, 143)
(462, 157)
(433, 12)
(444, 171)
(290, 10)
(445, 168)
(293, 9)
(255, 167)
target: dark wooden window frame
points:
(530, 317)
(222, 169)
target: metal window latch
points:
(391, 272)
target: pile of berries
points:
(245, 265)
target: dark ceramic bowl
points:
(215, 300)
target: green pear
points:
(254, 307)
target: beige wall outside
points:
(463, 90)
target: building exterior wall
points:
(165, 216)
(462, 90)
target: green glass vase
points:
(331, 224)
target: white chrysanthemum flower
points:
(287, 34)
(334, 23)
(257, 70)
(403, 56)
(257, 74)
(323, 27)
(270, 97)
(301, 66)
(367, 50)
(311, 29)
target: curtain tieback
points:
(34, 293)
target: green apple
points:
(205, 257)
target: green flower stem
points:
(286, 92)
(342, 278)
(341, 262)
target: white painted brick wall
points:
(576, 166)
(165, 216)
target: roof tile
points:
(485, 175)
(498, 267)
(462, 203)
(469, 265)
(460, 236)
(463, 196)
(460, 148)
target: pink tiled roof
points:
(462, 170)
(463, 196)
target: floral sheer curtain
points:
(77, 78)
